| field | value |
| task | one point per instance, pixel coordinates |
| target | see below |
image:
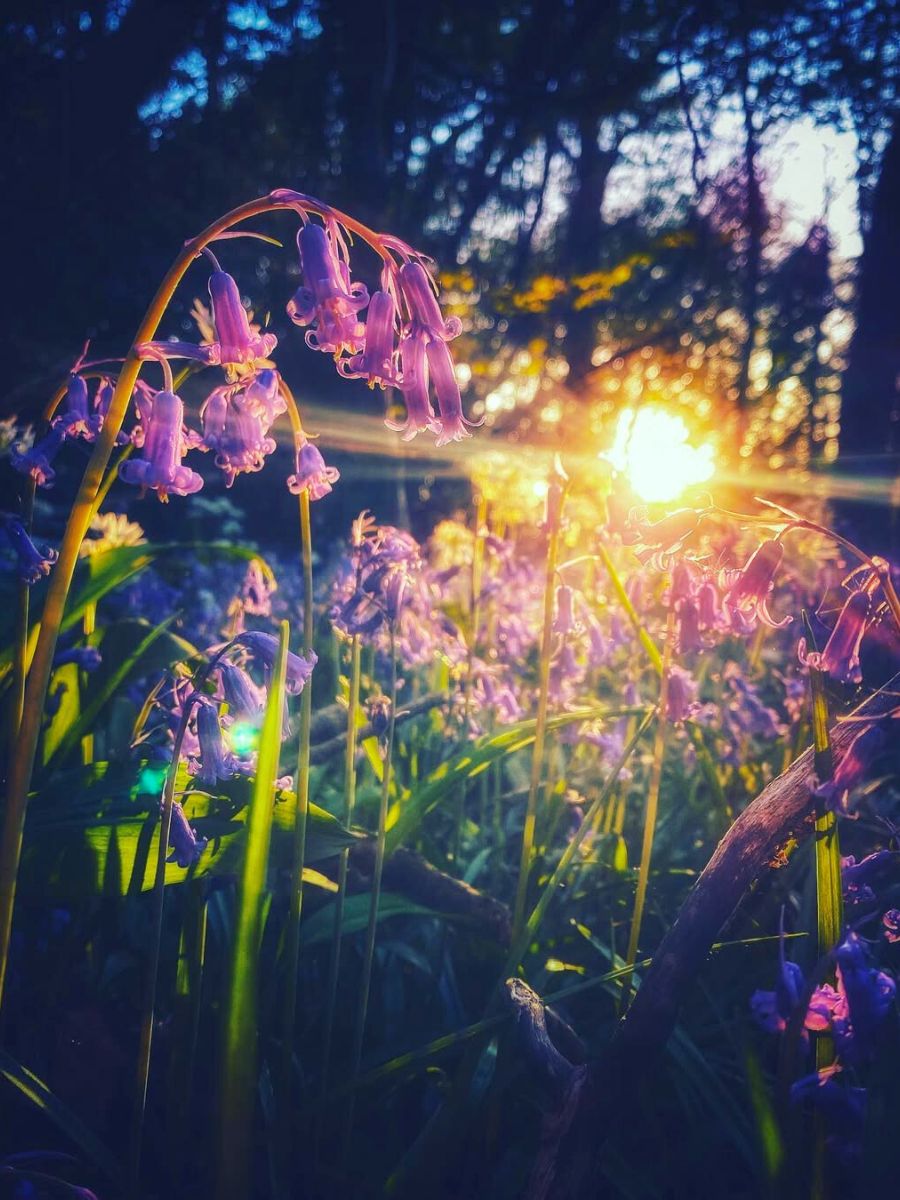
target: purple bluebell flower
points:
(681, 699)
(857, 878)
(236, 342)
(376, 362)
(327, 297)
(687, 630)
(261, 396)
(216, 762)
(840, 658)
(37, 460)
(75, 418)
(772, 1010)
(708, 607)
(311, 474)
(453, 425)
(891, 925)
(264, 647)
(748, 592)
(852, 769)
(564, 622)
(416, 389)
(656, 543)
(748, 713)
(241, 694)
(420, 295)
(843, 1109)
(236, 345)
(565, 675)
(256, 590)
(33, 561)
(160, 466)
(865, 996)
(88, 658)
(186, 846)
(240, 444)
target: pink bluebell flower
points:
(311, 473)
(416, 390)
(747, 596)
(840, 658)
(238, 436)
(236, 343)
(852, 769)
(376, 362)
(328, 300)
(160, 466)
(33, 561)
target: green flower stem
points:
(20, 647)
(520, 944)
(82, 511)
(537, 759)
(349, 805)
(292, 945)
(650, 810)
(369, 952)
(151, 970)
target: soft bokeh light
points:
(652, 449)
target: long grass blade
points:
(239, 1056)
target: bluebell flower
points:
(240, 692)
(312, 475)
(376, 362)
(236, 343)
(33, 561)
(869, 995)
(842, 1107)
(746, 598)
(160, 466)
(186, 846)
(852, 769)
(328, 301)
(857, 878)
(416, 390)
(773, 1009)
(264, 647)
(75, 418)
(215, 762)
(37, 460)
(840, 658)
(891, 925)
(88, 658)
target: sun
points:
(651, 448)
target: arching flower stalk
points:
(241, 352)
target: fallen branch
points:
(329, 726)
(752, 846)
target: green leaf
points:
(37, 1092)
(102, 836)
(239, 1058)
(319, 927)
(413, 806)
(101, 574)
(120, 663)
